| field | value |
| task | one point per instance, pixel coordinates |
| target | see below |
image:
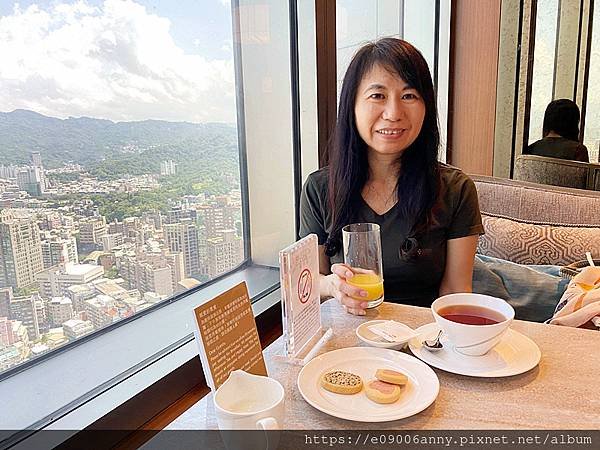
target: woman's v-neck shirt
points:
(414, 281)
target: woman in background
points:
(383, 169)
(560, 133)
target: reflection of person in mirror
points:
(383, 169)
(560, 133)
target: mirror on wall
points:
(557, 79)
(548, 50)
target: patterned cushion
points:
(532, 290)
(537, 243)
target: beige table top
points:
(560, 393)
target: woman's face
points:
(388, 112)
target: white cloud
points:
(117, 61)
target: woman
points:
(383, 169)
(560, 133)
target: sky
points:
(120, 60)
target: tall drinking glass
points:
(362, 252)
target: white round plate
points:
(420, 391)
(368, 337)
(514, 354)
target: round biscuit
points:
(391, 376)
(382, 392)
(341, 382)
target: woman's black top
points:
(413, 280)
(559, 147)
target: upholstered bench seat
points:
(531, 230)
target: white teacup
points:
(249, 402)
(473, 340)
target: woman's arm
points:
(460, 257)
(325, 270)
(332, 283)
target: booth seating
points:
(557, 172)
(531, 231)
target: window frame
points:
(105, 384)
(113, 377)
(246, 261)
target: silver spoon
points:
(435, 345)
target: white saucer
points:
(420, 391)
(368, 337)
(513, 355)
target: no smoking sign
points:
(304, 286)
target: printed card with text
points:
(227, 337)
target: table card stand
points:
(227, 337)
(303, 334)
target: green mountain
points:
(112, 149)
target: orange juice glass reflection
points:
(362, 252)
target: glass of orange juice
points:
(362, 252)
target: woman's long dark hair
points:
(418, 182)
(562, 117)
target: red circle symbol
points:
(304, 286)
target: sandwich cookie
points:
(382, 392)
(391, 376)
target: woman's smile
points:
(390, 133)
(389, 113)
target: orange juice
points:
(370, 282)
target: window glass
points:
(119, 163)
(359, 21)
(591, 137)
(419, 27)
(543, 65)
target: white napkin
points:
(581, 301)
(393, 331)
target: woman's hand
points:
(336, 285)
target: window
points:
(543, 64)
(359, 21)
(592, 126)
(216, 52)
(119, 163)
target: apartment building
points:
(20, 250)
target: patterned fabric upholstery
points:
(594, 178)
(556, 172)
(536, 224)
(531, 202)
(526, 243)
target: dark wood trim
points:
(295, 101)
(529, 75)
(516, 92)
(451, 71)
(133, 423)
(579, 31)
(436, 47)
(578, 53)
(326, 75)
(556, 41)
(586, 72)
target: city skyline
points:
(65, 271)
(99, 220)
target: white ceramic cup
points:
(473, 340)
(249, 402)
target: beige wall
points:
(473, 78)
